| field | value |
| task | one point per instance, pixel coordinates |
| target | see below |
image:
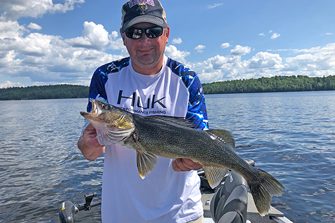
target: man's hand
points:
(184, 164)
(89, 144)
(89, 137)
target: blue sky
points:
(63, 41)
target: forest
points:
(273, 84)
(263, 84)
(44, 92)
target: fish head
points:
(108, 114)
(112, 123)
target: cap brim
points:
(144, 19)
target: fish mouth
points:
(95, 111)
(112, 117)
(96, 108)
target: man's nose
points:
(144, 39)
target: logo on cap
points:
(141, 3)
(142, 7)
(141, 11)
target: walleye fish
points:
(172, 137)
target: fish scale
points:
(172, 137)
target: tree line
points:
(44, 92)
(263, 84)
(273, 84)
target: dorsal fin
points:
(174, 120)
(223, 135)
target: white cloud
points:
(34, 26)
(226, 68)
(93, 37)
(217, 62)
(48, 59)
(220, 68)
(200, 48)
(225, 45)
(7, 84)
(265, 60)
(11, 30)
(7, 58)
(116, 43)
(279, 50)
(14, 10)
(240, 50)
(310, 50)
(177, 41)
(52, 59)
(113, 35)
(275, 36)
(35, 44)
(316, 61)
(214, 6)
(326, 34)
(211, 76)
(174, 53)
(261, 34)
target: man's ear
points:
(123, 36)
(167, 34)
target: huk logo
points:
(151, 102)
(140, 2)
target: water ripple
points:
(290, 135)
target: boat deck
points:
(253, 216)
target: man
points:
(147, 83)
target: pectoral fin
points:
(214, 175)
(145, 163)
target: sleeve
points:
(197, 112)
(97, 87)
(97, 90)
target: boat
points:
(230, 202)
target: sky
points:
(47, 42)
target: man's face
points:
(146, 53)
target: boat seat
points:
(229, 203)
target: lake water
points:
(290, 135)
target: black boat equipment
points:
(228, 205)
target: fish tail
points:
(262, 188)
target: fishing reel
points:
(68, 210)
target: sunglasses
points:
(153, 32)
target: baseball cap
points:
(139, 11)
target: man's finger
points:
(184, 164)
(191, 164)
(178, 165)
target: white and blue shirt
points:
(164, 195)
